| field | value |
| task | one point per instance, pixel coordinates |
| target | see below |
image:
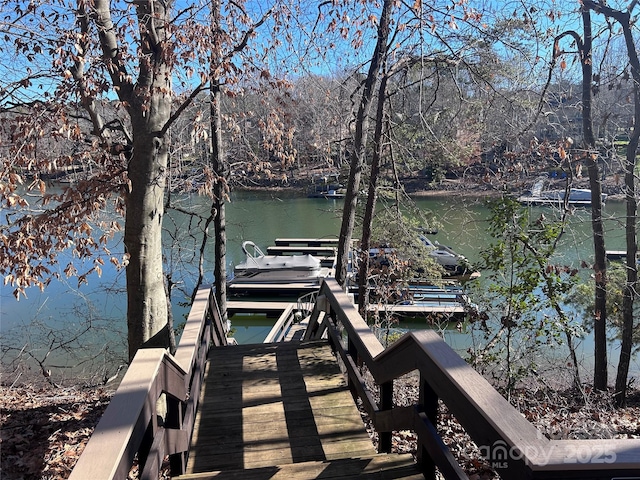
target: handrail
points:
(279, 330)
(307, 302)
(132, 425)
(515, 448)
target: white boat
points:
(445, 256)
(260, 268)
(538, 196)
(452, 262)
(328, 194)
(327, 186)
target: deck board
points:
(275, 404)
(378, 467)
(299, 250)
(310, 242)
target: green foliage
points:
(392, 337)
(401, 230)
(583, 300)
(401, 256)
(523, 311)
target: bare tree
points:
(116, 63)
(360, 142)
(591, 154)
(625, 20)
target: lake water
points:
(262, 217)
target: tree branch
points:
(120, 77)
(183, 106)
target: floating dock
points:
(617, 255)
(280, 299)
(273, 289)
(421, 300)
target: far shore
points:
(441, 193)
(449, 188)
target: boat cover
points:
(279, 262)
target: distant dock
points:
(616, 255)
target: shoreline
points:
(467, 188)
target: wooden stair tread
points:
(272, 404)
(372, 467)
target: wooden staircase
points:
(283, 411)
(376, 467)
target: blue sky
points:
(331, 52)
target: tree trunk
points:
(624, 19)
(220, 193)
(149, 107)
(600, 265)
(632, 208)
(631, 238)
(218, 161)
(370, 208)
(146, 299)
(632, 269)
(360, 144)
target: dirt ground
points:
(43, 430)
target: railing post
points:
(150, 432)
(428, 402)
(319, 313)
(352, 350)
(174, 419)
(386, 403)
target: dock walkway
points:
(283, 411)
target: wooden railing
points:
(280, 329)
(152, 413)
(512, 445)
